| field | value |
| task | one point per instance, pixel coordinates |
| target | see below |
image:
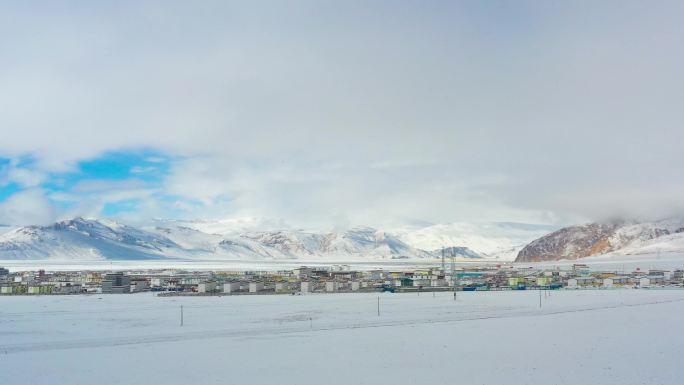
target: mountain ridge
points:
(599, 238)
(261, 239)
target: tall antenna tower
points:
(453, 270)
(443, 266)
(453, 263)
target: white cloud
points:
(155, 159)
(29, 207)
(24, 177)
(363, 111)
(142, 169)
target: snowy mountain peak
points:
(246, 239)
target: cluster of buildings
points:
(329, 280)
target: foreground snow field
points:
(599, 337)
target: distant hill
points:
(624, 237)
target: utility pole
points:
(540, 298)
(181, 315)
(453, 272)
(378, 306)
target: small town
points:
(333, 279)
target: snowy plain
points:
(589, 336)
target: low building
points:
(656, 279)
(255, 287)
(66, 288)
(331, 286)
(19, 289)
(116, 283)
(615, 281)
(306, 287)
(39, 289)
(206, 287)
(7, 289)
(231, 287)
(139, 284)
(583, 281)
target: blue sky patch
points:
(136, 166)
(8, 190)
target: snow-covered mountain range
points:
(256, 239)
(492, 240)
(612, 238)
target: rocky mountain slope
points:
(623, 237)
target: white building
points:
(306, 287)
(255, 287)
(332, 286)
(615, 281)
(206, 287)
(355, 285)
(231, 287)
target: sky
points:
(332, 113)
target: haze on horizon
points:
(347, 112)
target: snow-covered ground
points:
(599, 337)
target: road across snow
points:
(611, 336)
